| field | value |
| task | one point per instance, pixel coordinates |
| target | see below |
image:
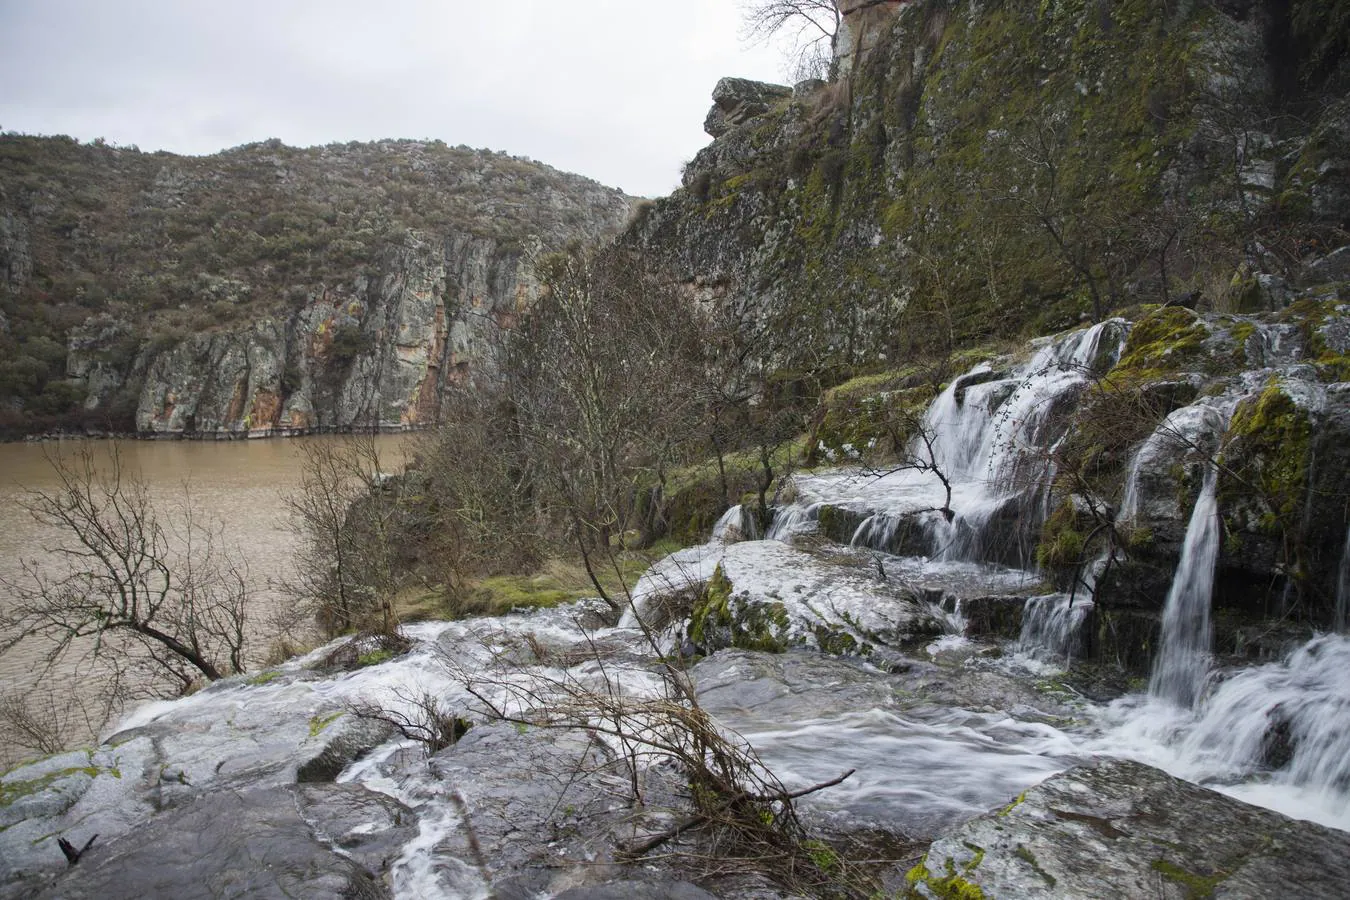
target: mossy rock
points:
(721, 619)
(1167, 340)
(1263, 481)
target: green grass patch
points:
(561, 581)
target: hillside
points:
(114, 259)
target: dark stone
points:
(272, 843)
(352, 738)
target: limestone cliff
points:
(266, 289)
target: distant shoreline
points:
(252, 434)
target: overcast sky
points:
(613, 89)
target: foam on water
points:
(1276, 735)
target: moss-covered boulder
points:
(766, 595)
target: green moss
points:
(1197, 887)
(1062, 541)
(713, 609)
(1312, 316)
(503, 593)
(873, 415)
(1029, 858)
(822, 855)
(1139, 538)
(1268, 447)
(264, 677)
(953, 885)
(16, 789)
(1017, 801)
(317, 724)
(375, 657)
(836, 642)
(720, 619)
(1164, 341)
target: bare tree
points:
(732, 802)
(810, 27)
(601, 377)
(346, 561)
(168, 597)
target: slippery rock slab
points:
(766, 595)
(543, 811)
(927, 746)
(329, 842)
(241, 734)
(1122, 829)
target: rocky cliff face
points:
(376, 353)
(266, 289)
(981, 169)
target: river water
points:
(242, 485)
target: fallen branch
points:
(651, 843)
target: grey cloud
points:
(614, 90)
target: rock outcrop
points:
(1123, 829)
(976, 171)
(738, 100)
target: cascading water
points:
(1052, 627)
(736, 524)
(1274, 735)
(991, 439)
(791, 520)
(1343, 587)
(1183, 659)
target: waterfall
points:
(736, 524)
(992, 439)
(795, 519)
(1343, 587)
(1182, 663)
(1052, 626)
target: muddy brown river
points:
(240, 484)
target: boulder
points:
(766, 595)
(1122, 829)
(738, 100)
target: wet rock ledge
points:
(1122, 829)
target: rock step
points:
(1118, 828)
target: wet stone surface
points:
(329, 841)
(1122, 829)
